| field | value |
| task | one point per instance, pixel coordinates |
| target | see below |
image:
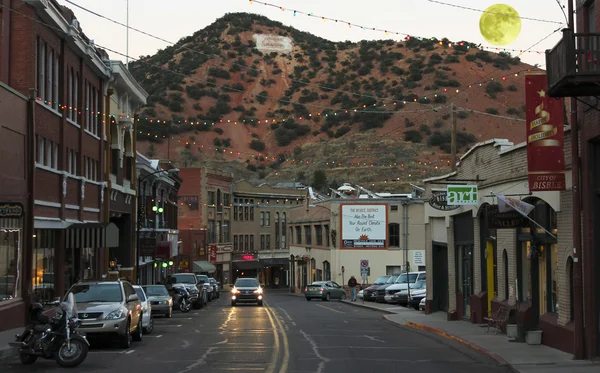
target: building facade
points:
(481, 258)
(157, 234)
(124, 97)
(329, 239)
(260, 233)
(52, 60)
(16, 218)
(205, 216)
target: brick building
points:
(205, 221)
(573, 71)
(51, 59)
(480, 259)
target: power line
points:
(482, 11)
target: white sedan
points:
(360, 295)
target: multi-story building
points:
(51, 59)
(260, 239)
(205, 221)
(573, 71)
(16, 219)
(124, 97)
(158, 238)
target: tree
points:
(319, 181)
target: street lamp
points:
(154, 208)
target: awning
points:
(92, 235)
(204, 266)
(247, 264)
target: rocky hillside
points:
(368, 112)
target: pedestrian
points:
(352, 283)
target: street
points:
(288, 334)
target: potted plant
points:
(534, 337)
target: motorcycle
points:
(53, 338)
(181, 298)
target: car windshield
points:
(202, 278)
(185, 278)
(419, 285)
(381, 280)
(246, 283)
(140, 294)
(156, 291)
(86, 293)
(412, 277)
(391, 280)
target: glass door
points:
(466, 280)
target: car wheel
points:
(308, 299)
(139, 331)
(327, 297)
(343, 297)
(232, 304)
(126, 339)
(260, 303)
(150, 326)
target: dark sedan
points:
(370, 293)
(246, 290)
(380, 295)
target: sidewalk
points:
(8, 336)
(521, 357)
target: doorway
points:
(465, 276)
(440, 277)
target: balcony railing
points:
(573, 65)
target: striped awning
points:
(92, 235)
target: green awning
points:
(204, 266)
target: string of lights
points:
(385, 31)
(243, 66)
(482, 10)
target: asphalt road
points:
(287, 335)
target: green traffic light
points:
(170, 262)
(164, 265)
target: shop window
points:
(89, 262)
(43, 266)
(505, 267)
(553, 271)
(394, 234)
(10, 260)
(525, 278)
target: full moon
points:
(500, 24)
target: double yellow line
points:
(278, 342)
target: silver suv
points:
(109, 309)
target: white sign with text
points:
(272, 43)
(364, 226)
(418, 257)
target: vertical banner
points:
(212, 254)
(545, 136)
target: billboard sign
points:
(364, 226)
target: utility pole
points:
(453, 136)
(579, 335)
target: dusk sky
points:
(172, 20)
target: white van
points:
(401, 283)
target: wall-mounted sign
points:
(418, 257)
(462, 195)
(224, 248)
(439, 202)
(248, 257)
(11, 210)
(148, 247)
(504, 220)
(212, 254)
(364, 226)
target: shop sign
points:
(439, 202)
(504, 220)
(148, 246)
(11, 210)
(463, 195)
(212, 254)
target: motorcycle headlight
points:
(116, 314)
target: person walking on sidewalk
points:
(352, 283)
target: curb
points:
(425, 328)
(355, 304)
(8, 353)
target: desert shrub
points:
(219, 73)
(493, 88)
(492, 110)
(341, 131)
(257, 145)
(512, 88)
(425, 129)
(218, 130)
(471, 57)
(413, 136)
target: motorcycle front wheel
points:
(27, 359)
(72, 355)
(185, 306)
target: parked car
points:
(324, 290)
(360, 294)
(402, 283)
(147, 320)
(246, 290)
(215, 287)
(208, 289)
(370, 292)
(412, 298)
(160, 300)
(380, 295)
(197, 293)
(422, 304)
(109, 308)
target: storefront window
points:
(9, 263)
(43, 266)
(88, 257)
(525, 285)
(552, 264)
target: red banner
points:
(212, 253)
(545, 135)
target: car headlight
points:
(116, 314)
(258, 291)
(234, 291)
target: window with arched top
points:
(219, 203)
(277, 232)
(283, 230)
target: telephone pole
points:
(453, 136)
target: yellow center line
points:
(286, 348)
(276, 346)
(331, 309)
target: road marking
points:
(197, 331)
(189, 318)
(276, 345)
(174, 326)
(129, 352)
(285, 313)
(153, 336)
(331, 309)
(286, 347)
(294, 323)
(315, 348)
(373, 338)
(222, 342)
(346, 321)
(200, 361)
(185, 344)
